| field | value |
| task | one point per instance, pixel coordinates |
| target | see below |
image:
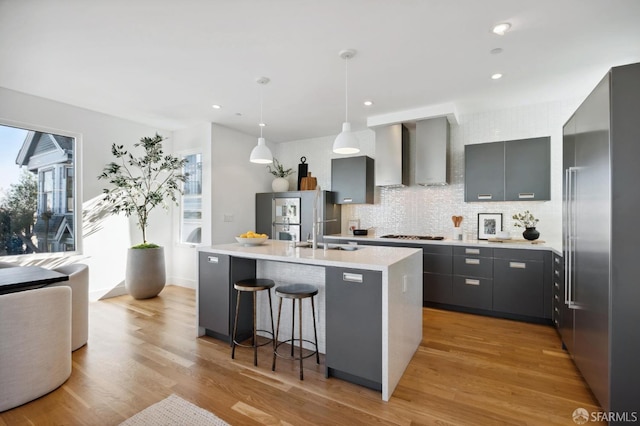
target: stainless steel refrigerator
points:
(600, 324)
(289, 215)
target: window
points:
(191, 206)
(37, 191)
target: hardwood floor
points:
(468, 370)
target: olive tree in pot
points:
(138, 185)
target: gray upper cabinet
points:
(516, 170)
(484, 172)
(527, 169)
(352, 179)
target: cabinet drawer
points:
(472, 251)
(472, 292)
(518, 287)
(519, 254)
(471, 266)
(437, 263)
(437, 249)
(436, 288)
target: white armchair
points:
(79, 283)
(35, 344)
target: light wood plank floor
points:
(469, 370)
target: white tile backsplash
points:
(428, 210)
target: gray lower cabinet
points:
(352, 179)
(472, 277)
(437, 282)
(354, 326)
(217, 298)
(518, 282)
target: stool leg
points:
(273, 366)
(293, 325)
(315, 333)
(255, 337)
(235, 327)
(273, 331)
(300, 334)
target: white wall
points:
(105, 238)
(428, 210)
(230, 183)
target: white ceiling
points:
(165, 62)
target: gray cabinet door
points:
(484, 172)
(214, 292)
(264, 213)
(528, 169)
(518, 287)
(352, 179)
(472, 292)
(354, 325)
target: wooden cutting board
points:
(308, 183)
(515, 240)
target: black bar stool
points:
(296, 292)
(252, 285)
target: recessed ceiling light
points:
(216, 106)
(262, 124)
(496, 76)
(368, 103)
(501, 28)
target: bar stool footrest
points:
(269, 340)
(296, 358)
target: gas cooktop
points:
(412, 237)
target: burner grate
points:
(412, 237)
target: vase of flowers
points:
(528, 221)
(280, 183)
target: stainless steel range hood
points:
(392, 156)
(432, 146)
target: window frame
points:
(77, 190)
(180, 240)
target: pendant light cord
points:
(346, 89)
(261, 124)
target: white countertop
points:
(375, 258)
(547, 246)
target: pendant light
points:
(346, 142)
(261, 154)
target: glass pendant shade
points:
(261, 154)
(346, 142)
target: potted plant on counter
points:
(527, 221)
(280, 183)
(138, 185)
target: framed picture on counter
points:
(489, 224)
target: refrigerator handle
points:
(570, 181)
(567, 248)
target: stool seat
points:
(254, 284)
(296, 291)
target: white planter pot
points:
(280, 184)
(145, 276)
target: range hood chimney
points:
(392, 156)
(432, 146)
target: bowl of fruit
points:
(252, 239)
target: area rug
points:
(174, 410)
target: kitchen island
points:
(347, 282)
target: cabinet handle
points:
(485, 196)
(469, 281)
(212, 259)
(556, 259)
(557, 286)
(347, 200)
(353, 278)
(557, 298)
(556, 272)
(471, 251)
(472, 261)
(523, 195)
(518, 265)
